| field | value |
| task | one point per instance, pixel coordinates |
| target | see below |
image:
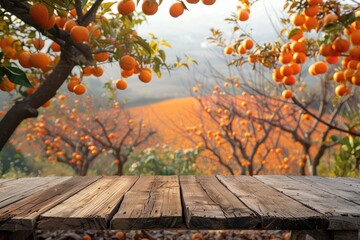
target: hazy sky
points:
(187, 35)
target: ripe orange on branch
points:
(40, 60)
(149, 7)
(177, 9)
(145, 75)
(208, 2)
(127, 62)
(39, 14)
(121, 84)
(79, 34)
(125, 7)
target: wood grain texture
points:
(90, 208)
(208, 204)
(153, 202)
(23, 214)
(329, 185)
(341, 213)
(276, 210)
(15, 190)
(352, 182)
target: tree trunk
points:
(27, 108)
(120, 167)
(251, 170)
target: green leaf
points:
(162, 55)
(143, 44)
(294, 32)
(1, 55)
(334, 138)
(107, 6)
(17, 76)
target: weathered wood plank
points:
(276, 210)
(153, 202)
(342, 214)
(2, 180)
(22, 215)
(329, 185)
(18, 189)
(208, 204)
(352, 182)
(91, 208)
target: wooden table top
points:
(178, 202)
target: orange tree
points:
(299, 58)
(83, 35)
(237, 126)
(79, 133)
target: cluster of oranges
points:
(150, 7)
(340, 46)
(129, 66)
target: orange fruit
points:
(312, 11)
(79, 89)
(286, 70)
(38, 43)
(285, 57)
(340, 45)
(71, 85)
(352, 64)
(79, 34)
(176, 9)
(40, 60)
(298, 19)
(127, 73)
(277, 76)
(248, 43)
(311, 23)
(355, 52)
(125, 7)
(287, 94)
(127, 62)
(339, 77)
(289, 80)
(356, 78)
(24, 59)
(121, 84)
(208, 2)
(6, 85)
(39, 14)
(299, 57)
(298, 46)
(242, 14)
(297, 36)
(332, 59)
(50, 23)
(228, 50)
(296, 68)
(87, 71)
(241, 49)
(345, 61)
(355, 37)
(348, 73)
(55, 47)
(149, 8)
(314, 2)
(192, 1)
(320, 67)
(330, 19)
(145, 75)
(69, 25)
(97, 71)
(101, 56)
(341, 90)
(325, 49)
(60, 21)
